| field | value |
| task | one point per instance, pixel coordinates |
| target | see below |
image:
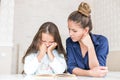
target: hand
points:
(51, 47)
(86, 40)
(100, 71)
(43, 50)
(49, 51)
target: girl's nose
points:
(47, 44)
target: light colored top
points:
(33, 67)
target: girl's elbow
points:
(28, 71)
(60, 71)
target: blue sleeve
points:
(71, 64)
(102, 51)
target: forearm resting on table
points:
(80, 72)
(95, 72)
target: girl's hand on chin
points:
(52, 46)
(43, 48)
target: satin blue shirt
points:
(74, 55)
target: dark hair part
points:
(50, 28)
(82, 16)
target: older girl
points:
(86, 52)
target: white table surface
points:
(109, 76)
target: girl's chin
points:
(74, 40)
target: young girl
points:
(86, 52)
(46, 54)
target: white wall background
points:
(6, 22)
(30, 14)
(6, 35)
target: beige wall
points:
(113, 61)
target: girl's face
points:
(47, 39)
(75, 30)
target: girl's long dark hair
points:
(50, 28)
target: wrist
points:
(51, 56)
(39, 57)
(90, 47)
(89, 72)
(49, 51)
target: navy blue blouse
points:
(74, 55)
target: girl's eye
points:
(48, 41)
(51, 42)
(43, 41)
(74, 31)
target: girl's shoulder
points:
(70, 43)
(99, 37)
(31, 56)
(55, 52)
(68, 40)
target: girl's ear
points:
(86, 30)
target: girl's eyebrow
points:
(72, 29)
(47, 41)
